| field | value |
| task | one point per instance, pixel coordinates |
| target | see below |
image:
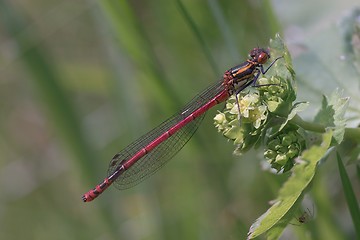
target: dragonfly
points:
(150, 152)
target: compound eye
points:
(263, 57)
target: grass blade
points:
(199, 37)
(350, 196)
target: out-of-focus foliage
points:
(82, 79)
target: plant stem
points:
(314, 127)
(351, 133)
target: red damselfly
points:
(146, 155)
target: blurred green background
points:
(82, 79)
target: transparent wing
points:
(155, 159)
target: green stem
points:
(314, 127)
(350, 133)
(353, 133)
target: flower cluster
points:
(243, 128)
(278, 96)
(283, 148)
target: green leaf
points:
(290, 195)
(332, 114)
(278, 48)
(325, 114)
(350, 196)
